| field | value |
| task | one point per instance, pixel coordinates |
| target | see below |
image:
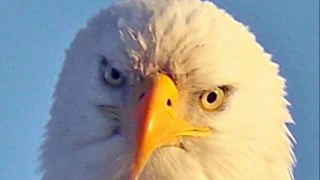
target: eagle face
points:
(167, 90)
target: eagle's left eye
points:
(212, 100)
(113, 77)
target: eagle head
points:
(168, 89)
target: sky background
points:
(34, 35)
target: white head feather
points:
(202, 47)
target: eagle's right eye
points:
(112, 76)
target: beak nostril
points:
(169, 102)
(141, 96)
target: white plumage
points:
(200, 47)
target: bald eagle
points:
(168, 90)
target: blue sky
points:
(34, 35)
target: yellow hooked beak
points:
(158, 121)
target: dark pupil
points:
(211, 97)
(115, 74)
